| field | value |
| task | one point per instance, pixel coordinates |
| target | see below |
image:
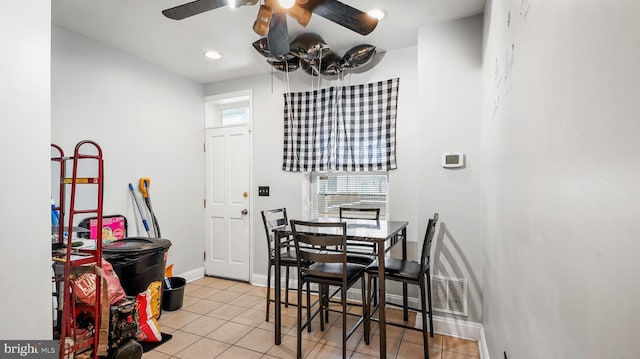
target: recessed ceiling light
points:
(378, 13)
(232, 4)
(215, 55)
(287, 4)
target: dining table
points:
(385, 235)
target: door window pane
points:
(235, 116)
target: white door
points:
(228, 200)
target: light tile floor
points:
(226, 319)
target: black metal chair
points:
(359, 251)
(329, 268)
(410, 272)
(273, 219)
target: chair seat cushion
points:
(287, 258)
(397, 268)
(359, 258)
(353, 272)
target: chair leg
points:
(429, 298)
(308, 307)
(375, 284)
(268, 290)
(323, 313)
(375, 291)
(299, 326)
(365, 308)
(343, 297)
(423, 310)
(367, 323)
(325, 301)
(286, 287)
(405, 302)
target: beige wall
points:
(560, 144)
(25, 253)
(448, 120)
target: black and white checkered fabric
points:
(341, 128)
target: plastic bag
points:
(84, 285)
(148, 303)
(116, 292)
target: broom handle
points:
(144, 221)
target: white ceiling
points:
(138, 27)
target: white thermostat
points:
(453, 159)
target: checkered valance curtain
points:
(341, 128)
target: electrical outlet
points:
(263, 191)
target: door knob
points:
(244, 212)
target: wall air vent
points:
(449, 295)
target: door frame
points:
(210, 121)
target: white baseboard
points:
(482, 345)
(259, 280)
(453, 327)
(192, 275)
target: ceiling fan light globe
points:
(378, 14)
(287, 4)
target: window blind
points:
(331, 190)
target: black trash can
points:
(138, 261)
(173, 293)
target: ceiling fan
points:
(271, 20)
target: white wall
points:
(449, 73)
(149, 123)
(25, 255)
(560, 124)
(286, 187)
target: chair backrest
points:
(312, 240)
(359, 213)
(426, 246)
(272, 219)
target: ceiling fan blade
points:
(278, 36)
(344, 15)
(193, 8)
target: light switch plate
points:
(263, 191)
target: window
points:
(331, 190)
(238, 114)
(230, 109)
